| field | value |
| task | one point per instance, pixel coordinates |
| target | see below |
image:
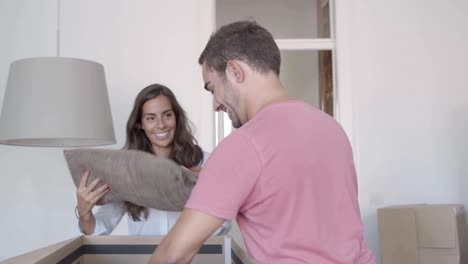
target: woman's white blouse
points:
(158, 222)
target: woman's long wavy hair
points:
(185, 150)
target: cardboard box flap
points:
(398, 236)
(437, 226)
(127, 249)
(41, 255)
(421, 234)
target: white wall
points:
(139, 43)
(407, 67)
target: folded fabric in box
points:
(134, 176)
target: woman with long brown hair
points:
(157, 125)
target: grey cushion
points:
(134, 176)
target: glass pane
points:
(227, 125)
(307, 75)
(284, 19)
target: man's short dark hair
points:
(245, 41)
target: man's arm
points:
(184, 240)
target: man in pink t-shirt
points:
(286, 174)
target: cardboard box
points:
(127, 249)
(421, 234)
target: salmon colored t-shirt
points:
(287, 176)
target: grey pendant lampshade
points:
(56, 102)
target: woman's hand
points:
(87, 196)
(194, 170)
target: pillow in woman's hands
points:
(135, 176)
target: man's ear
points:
(234, 71)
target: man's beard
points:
(236, 123)
(232, 100)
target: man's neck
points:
(265, 92)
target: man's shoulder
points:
(236, 146)
(238, 138)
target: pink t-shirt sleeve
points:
(227, 178)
